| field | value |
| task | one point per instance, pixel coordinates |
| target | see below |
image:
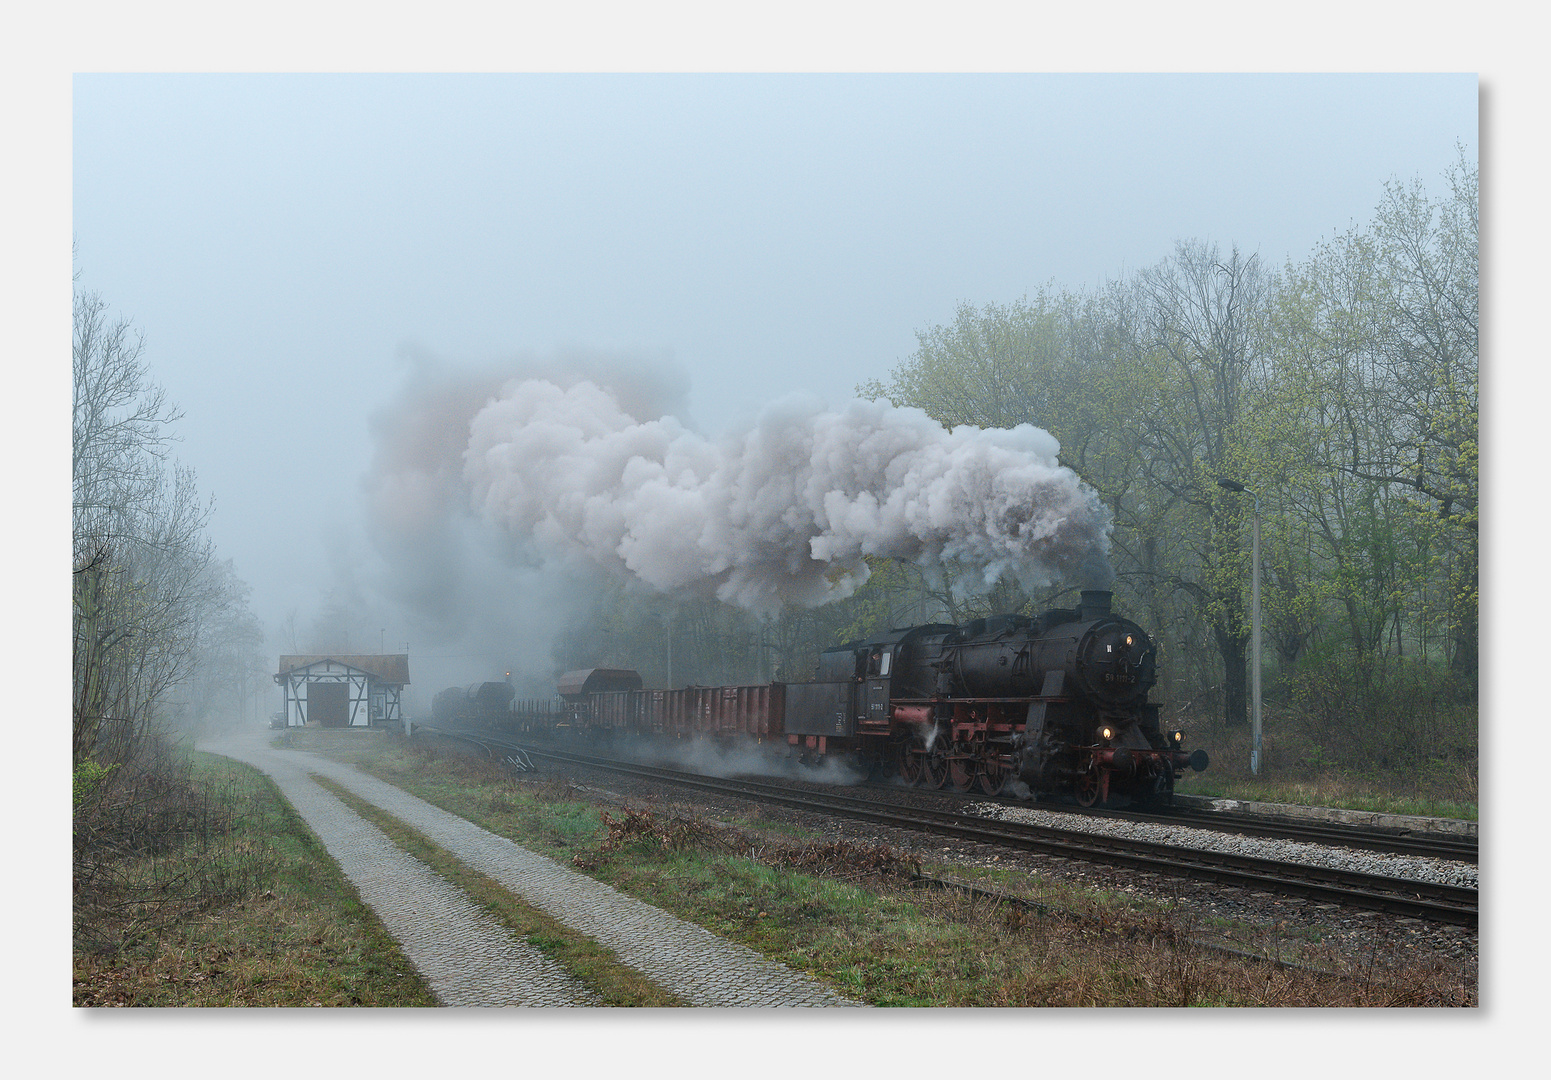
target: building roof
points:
(389, 667)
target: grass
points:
(855, 917)
(1306, 762)
(1332, 789)
(295, 933)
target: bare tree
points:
(142, 579)
(228, 651)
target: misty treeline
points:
(1343, 389)
(161, 630)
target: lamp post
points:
(667, 633)
(1254, 624)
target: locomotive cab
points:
(855, 662)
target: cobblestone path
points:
(687, 959)
(465, 955)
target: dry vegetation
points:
(196, 884)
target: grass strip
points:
(1334, 790)
(296, 934)
(579, 955)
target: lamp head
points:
(1231, 485)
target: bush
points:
(1398, 716)
(148, 848)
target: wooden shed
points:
(343, 691)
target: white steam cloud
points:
(463, 594)
(784, 512)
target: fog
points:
(376, 299)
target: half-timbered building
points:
(343, 691)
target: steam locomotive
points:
(1057, 701)
(478, 704)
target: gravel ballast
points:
(1410, 867)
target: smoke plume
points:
(442, 578)
(785, 511)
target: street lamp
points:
(667, 627)
(1254, 625)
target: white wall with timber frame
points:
(369, 697)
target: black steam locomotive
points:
(1057, 701)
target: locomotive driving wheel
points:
(1088, 786)
(910, 761)
(961, 767)
(993, 775)
(934, 763)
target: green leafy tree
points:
(1376, 341)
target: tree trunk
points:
(1465, 618)
(1233, 648)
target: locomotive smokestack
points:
(1095, 603)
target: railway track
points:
(1397, 896)
(1458, 849)
(1387, 841)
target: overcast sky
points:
(285, 243)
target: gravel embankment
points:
(1438, 871)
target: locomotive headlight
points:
(1107, 733)
(1177, 736)
(1128, 640)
